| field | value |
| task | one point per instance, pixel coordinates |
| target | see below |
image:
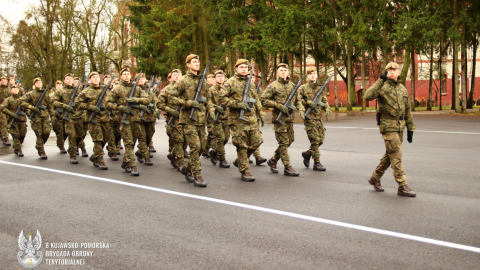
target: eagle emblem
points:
(29, 247)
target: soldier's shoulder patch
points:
(178, 82)
(269, 86)
(162, 91)
(226, 84)
(112, 90)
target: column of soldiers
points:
(216, 115)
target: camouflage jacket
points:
(61, 98)
(152, 99)
(4, 92)
(393, 103)
(277, 93)
(215, 92)
(165, 103)
(10, 106)
(185, 90)
(88, 98)
(115, 115)
(119, 98)
(306, 93)
(231, 94)
(30, 100)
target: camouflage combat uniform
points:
(134, 130)
(314, 126)
(245, 135)
(72, 129)
(277, 93)
(100, 132)
(4, 94)
(175, 134)
(19, 129)
(221, 130)
(193, 131)
(116, 135)
(210, 138)
(150, 119)
(41, 125)
(394, 106)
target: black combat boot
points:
(73, 159)
(273, 165)
(19, 153)
(173, 161)
(84, 152)
(317, 166)
(113, 156)
(290, 172)
(139, 157)
(260, 160)
(95, 163)
(148, 162)
(102, 166)
(247, 176)
(7, 142)
(188, 174)
(126, 167)
(306, 159)
(152, 149)
(206, 154)
(43, 155)
(250, 161)
(199, 182)
(134, 171)
(62, 150)
(224, 164)
(213, 157)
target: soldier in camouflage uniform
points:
(314, 126)
(19, 129)
(394, 108)
(149, 123)
(4, 94)
(132, 130)
(183, 94)
(221, 129)
(115, 136)
(41, 122)
(245, 134)
(210, 143)
(99, 131)
(12, 83)
(73, 129)
(175, 134)
(57, 124)
(274, 97)
(259, 160)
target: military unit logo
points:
(30, 247)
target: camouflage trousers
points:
(195, 137)
(18, 131)
(149, 131)
(130, 134)
(42, 129)
(100, 134)
(3, 126)
(316, 135)
(221, 131)
(115, 137)
(176, 142)
(246, 141)
(59, 130)
(211, 141)
(285, 137)
(75, 133)
(392, 157)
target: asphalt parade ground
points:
(319, 220)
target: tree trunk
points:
(364, 102)
(412, 77)
(406, 66)
(350, 84)
(455, 105)
(474, 62)
(464, 70)
(440, 72)
(429, 102)
(335, 75)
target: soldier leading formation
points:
(201, 112)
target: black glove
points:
(384, 76)
(409, 136)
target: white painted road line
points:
(263, 209)
(417, 130)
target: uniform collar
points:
(124, 83)
(312, 84)
(392, 82)
(191, 75)
(284, 81)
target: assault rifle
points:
(246, 98)
(99, 102)
(197, 93)
(288, 102)
(39, 105)
(130, 105)
(148, 94)
(71, 103)
(317, 98)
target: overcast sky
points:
(14, 10)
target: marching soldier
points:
(175, 134)
(194, 131)
(57, 124)
(314, 126)
(19, 129)
(115, 137)
(210, 134)
(245, 134)
(150, 119)
(4, 93)
(99, 131)
(72, 129)
(394, 108)
(142, 153)
(132, 130)
(259, 160)
(221, 129)
(41, 125)
(274, 97)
